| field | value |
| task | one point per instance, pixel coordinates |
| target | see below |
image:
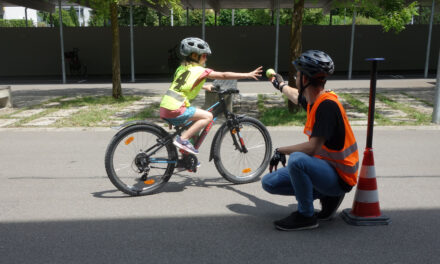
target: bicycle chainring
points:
(190, 162)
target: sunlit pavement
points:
(58, 206)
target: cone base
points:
(364, 221)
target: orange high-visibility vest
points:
(346, 160)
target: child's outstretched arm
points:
(236, 75)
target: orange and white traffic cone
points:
(366, 209)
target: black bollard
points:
(366, 210)
(371, 107)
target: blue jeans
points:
(307, 178)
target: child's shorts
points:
(183, 118)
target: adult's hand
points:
(278, 82)
(277, 158)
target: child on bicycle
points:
(189, 78)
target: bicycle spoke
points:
(238, 166)
(131, 169)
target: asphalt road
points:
(57, 206)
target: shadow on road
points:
(183, 182)
(260, 208)
(411, 238)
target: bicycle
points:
(75, 65)
(141, 157)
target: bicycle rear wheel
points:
(236, 164)
(136, 163)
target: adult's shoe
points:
(296, 221)
(330, 205)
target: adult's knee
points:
(266, 184)
(297, 160)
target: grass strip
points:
(99, 109)
(418, 99)
(146, 113)
(421, 118)
(361, 107)
(279, 116)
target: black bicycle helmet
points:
(194, 45)
(314, 64)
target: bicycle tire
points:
(234, 165)
(135, 137)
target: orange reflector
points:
(247, 170)
(151, 181)
(129, 140)
(234, 131)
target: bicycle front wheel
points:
(242, 156)
(136, 163)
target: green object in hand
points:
(270, 73)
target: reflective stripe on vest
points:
(185, 87)
(344, 168)
(346, 160)
(175, 95)
(338, 155)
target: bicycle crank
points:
(189, 162)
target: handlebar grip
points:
(215, 88)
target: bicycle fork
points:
(234, 129)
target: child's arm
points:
(236, 75)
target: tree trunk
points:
(295, 46)
(116, 62)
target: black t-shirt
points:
(329, 125)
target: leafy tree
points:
(313, 16)
(15, 23)
(295, 45)
(110, 8)
(69, 19)
(425, 16)
(142, 16)
(74, 16)
(391, 14)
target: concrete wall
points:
(36, 51)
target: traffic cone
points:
(366, 209)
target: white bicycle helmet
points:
(194, 45)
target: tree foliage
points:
(391, 14)
(70, 17)
(15, 23)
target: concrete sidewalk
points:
(417, 93)
(27, 94)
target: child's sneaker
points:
(185, 145)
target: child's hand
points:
(256, 73)
(208, 87)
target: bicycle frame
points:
(216, 109)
